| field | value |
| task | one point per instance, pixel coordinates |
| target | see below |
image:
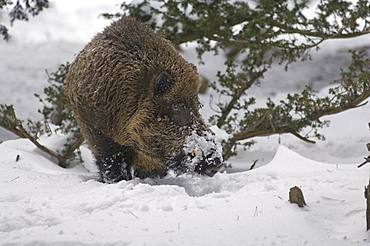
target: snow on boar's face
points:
(170, 131)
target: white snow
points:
(42, 204)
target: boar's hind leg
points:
(112, 160)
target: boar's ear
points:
(162, 84)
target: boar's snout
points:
(209, 166)
(201, 154)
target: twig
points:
(367, 160)
(13, 179)
(133, 214)
(317, 34)
(296, 134)
(254, 163)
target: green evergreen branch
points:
(246, 84)
(352, 92)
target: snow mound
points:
(42, 204)
(287, 161)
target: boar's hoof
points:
(113, 168)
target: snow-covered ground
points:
(42, 204)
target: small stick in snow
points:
(133, 214)
(296, 196)
(254, 163)
(14, 179)
(367, 160)
(17, 158)
(367, 196)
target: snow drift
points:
(42, 204)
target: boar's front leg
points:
(113, 167)
(112, 159)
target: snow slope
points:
(42, 204)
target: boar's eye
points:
(162, 83)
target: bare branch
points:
(10, 122)
(317, 34)
(296, 134)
